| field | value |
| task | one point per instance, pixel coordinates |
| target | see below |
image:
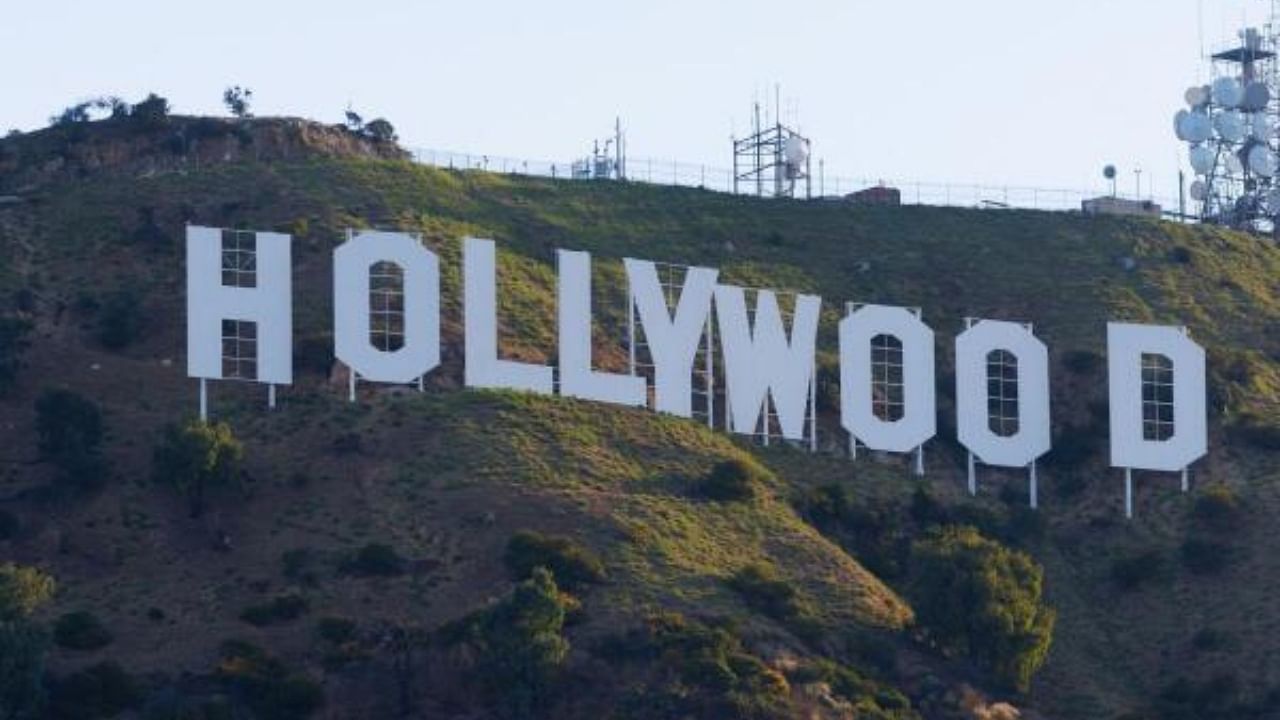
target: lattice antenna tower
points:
(774, 160)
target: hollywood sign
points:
(386, 300)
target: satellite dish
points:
(1196, 127)
(1261, 161)
(1272, 201)
(1260, 127)
(1180, 124)
(1234, 164)
(1199, 190)
(1198, 96)
(1256, 96)
(1227, 92)
(1230, 126)
(796, 150)
(1109, 172)
(1202, 159)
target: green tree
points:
(22, 590)
(237, 100)
(522, 648)
(69, 427)
(153, 112)
(22, 643)
(380, 130)
(983, 599)
(195, 457)
(13, 342)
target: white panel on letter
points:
(762, 362)
(1033, 437)
(919, 420)
(480, 310)
(577, 379)
(1130, 446)
(673, 342)
(268, 303)
(352, 262)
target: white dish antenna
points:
(1260, 128)
(1198, 96)
(796, 151)
(1202, 159)
(1196, 127)
(1256, 96)
(1230, 126)
(1199, 190)
(1227, 92)
(1261, 161)
(1234, 165)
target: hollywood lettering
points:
(239, 327)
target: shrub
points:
(195, 457)
(336, 630)
(1082, 362)
(1203, 556)
(151, 113)
(13, 343)
(81, 630)
(572, 564)
(268, 687)
(1217, 509)
(519, 646)
(22, 649)
(763, 591)
(120, 320)
(298, 565)
(732, 481)
(1256, 432)
(1133, 571)
(375, 559)
(69, 427)
(978, 597)
(380, 131)
(22, 590)
(277, 610)
(103, 690)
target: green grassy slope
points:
(448, 475)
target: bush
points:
(104, 690)
(277, 610)
(1256, 432)
(1217, 509)
(980, 598)
(151, 113)
(1203, 556)
(375, 559)
(196, 457)
(120, 320)
(1130, 573)
(336, 630)
(81, 630)
(380, 131)
(22, 590)
(763, 591)
(267, 686)
(1082, 362)
(572, 564)
(69, 427)
(732, 481)
(22, 649)
(13, 343)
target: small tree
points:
(22, 590)
(13, 342)
(355, 123)
(120, 320)
(237, 100)
(69, 427)
(195, 457)
(978, 597)
(380, 131)
(152, 112)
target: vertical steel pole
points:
(1128, 493)
(204, 400)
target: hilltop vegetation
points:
(363, 558)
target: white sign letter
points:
(992, 357)
(577, 379)
(761, 362)
(418, 305)
(904, 374)
(239, 306)
(673, 343)
(480, 310)
(1157, 378)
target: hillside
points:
(445, 477)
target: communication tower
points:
(607, 161)
(771, 160)
(1230, 127)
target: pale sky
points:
(1017, 92)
